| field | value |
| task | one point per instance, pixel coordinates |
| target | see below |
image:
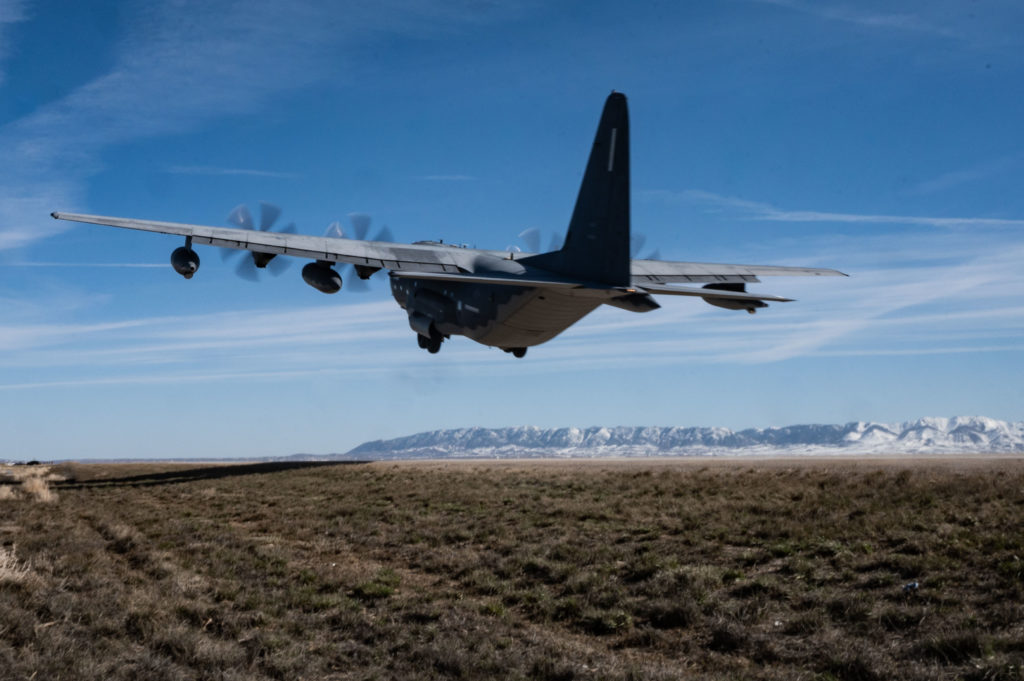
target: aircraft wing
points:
(644, 272)
(447, 263)
(375, 254)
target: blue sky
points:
(882, 139)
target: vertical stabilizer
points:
(597, 243)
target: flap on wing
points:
(709, 293)
(661, 271)
(483, 278)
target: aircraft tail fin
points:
(597, 243)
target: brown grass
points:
(12, 571)
(713, 570)
(33, 481)
(39, 489)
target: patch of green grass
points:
(381, 586)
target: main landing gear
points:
(431, 345)
(518, 353)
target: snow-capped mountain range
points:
(959, 435)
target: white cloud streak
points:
(754, 210)
(101, 265)
(906, 294)
(447, 178)
(229, 172)
(952, 179)
(858, 16)
(11, 12)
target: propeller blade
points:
(278, 265)
(360, 225)
(334, 231)
(241, 217)
(556, 242)
(247, 269)
(636, 242)
(654, 255)
(268, 215)
(531, 237)
(352, 281)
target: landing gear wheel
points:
(432, 343)
(518, 353)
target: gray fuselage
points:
(495, 315)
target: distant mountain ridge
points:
(958, 435)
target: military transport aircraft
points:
(505, 299)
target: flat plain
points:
(631, 569)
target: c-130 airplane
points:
(505, 299)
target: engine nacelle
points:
(185, 261)
(322, 277)
(635, 302)
(750, 306)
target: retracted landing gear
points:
(518, 353)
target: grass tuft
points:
(12, 570)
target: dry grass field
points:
(759, 569)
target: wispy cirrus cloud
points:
(46, 157)
(955, 178)
(447, 178)
(11, 12)
(229, 172)
(101, 265)
(756, 210)
(177, 69)
(860, 16)
(215, 343)
(958, 288)
(936, 308)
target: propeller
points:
(248, 268)
(360, 226)
(531, 239)
(636, 244)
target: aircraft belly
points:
(541, 318)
